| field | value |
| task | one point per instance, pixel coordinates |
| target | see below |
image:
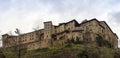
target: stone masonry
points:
(58, 35)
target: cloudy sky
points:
(28, 14)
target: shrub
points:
(73, 41)
(102, 42)
(84, 54)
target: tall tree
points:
(17, 31)
(0, 39)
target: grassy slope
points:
(68, 51)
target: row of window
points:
(25, 37)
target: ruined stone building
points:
(87, 30)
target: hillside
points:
(67, 51)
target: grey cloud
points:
(114, 17)
(75, 7)
(114, 22)
(59, 9)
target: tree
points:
(102, 42)
(84, 54)
(77, 41)
(10, 33)
(36, 29)
(0, 38)
(72, 40)
(17, 31)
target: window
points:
(32, 38)
(33, 44)
(25, 39)
(68, 28)
(90, 30)
(47, 35)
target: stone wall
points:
(58, 35)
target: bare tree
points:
(11, 42)
(38, 34)
(10, 33)
(0, 38)
(36, 28)
(15, 40)
(17, 31)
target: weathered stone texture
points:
(58, 35)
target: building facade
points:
(87, 30)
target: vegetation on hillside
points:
(74, 48)
(67, 51)
(102, 42)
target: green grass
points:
(68, 51)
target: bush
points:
(68, 45)
(102, 42)
(84, 54)
(73, 41)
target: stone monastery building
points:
(87, 31)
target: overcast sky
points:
(28, 14)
